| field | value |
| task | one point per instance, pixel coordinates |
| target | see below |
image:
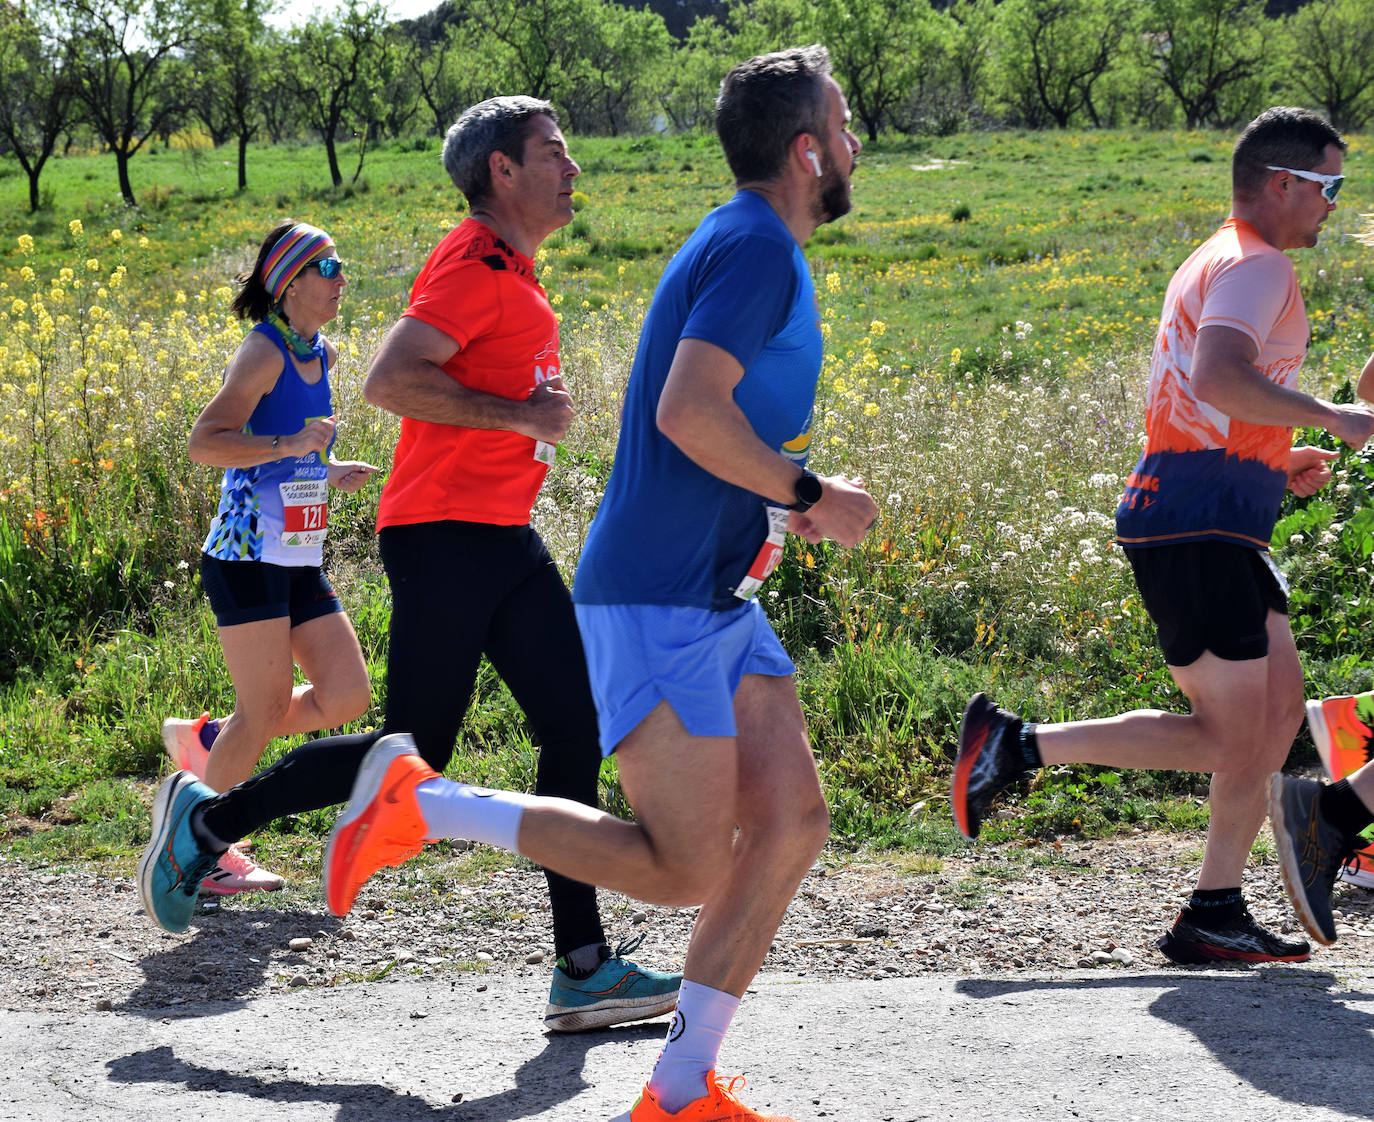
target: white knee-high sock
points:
(456, 810)
(703, 1016)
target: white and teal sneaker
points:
(174, 864)
(617, 991)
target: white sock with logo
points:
(699, 1025)
(457, 810)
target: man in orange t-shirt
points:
(472, 368)
(1195, 521)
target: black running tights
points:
(459, 590)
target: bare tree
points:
(330, 62)
(1203, 49)
(119, 66)
(40, 100)
(1332, 58)
(229, 86)
(535, 44)
(1055, 52)
(877, 48)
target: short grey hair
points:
(765, 103)
(499, 124)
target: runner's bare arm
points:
(217, 438)
(1224, 376)
(407, 378)
(1365, 389)
(698, 413)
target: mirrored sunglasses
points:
(328, 267)
(1331, 184)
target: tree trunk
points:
(334, 172)
(243, 162)
(125, 187)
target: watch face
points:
(808, 489)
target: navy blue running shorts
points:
(250, 591)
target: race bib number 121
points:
(305, 511)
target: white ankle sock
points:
(694, 1038)
(456, 810)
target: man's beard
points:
(835, 201)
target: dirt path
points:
(75, 940)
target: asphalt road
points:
(1259, 1044)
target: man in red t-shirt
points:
(472, 369)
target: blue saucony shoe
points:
(615, 992)
(174, 864)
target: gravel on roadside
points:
(74, 939)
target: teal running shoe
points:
(174, 864)
(617, 991)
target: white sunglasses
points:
(1331, 184)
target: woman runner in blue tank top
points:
(271, 427)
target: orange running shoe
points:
(1341, 729)
(382, 824)
(717, 1105)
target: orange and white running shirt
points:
(1204, 475)
(483, 294)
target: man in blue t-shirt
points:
(695, 695)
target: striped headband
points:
(293, 249)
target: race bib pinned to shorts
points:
(304, 511)
(545, 453)
(770, 553)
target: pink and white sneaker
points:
(236, 872)
(182, 743)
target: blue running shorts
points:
(692, 658)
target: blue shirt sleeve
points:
(742, 295)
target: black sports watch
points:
(808, 491)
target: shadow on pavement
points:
(553, 1076)
(1266, 1025)
(227, 959)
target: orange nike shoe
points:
(719, 1104)
(382, 824)
(1343, 737)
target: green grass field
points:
(989, 307)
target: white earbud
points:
(815, 162)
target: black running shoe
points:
(1311, 851)
(1240, 940)
(989, 759)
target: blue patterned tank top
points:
(278, 511)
